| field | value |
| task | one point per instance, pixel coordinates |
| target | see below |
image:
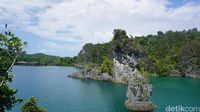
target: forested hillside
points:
(172, 52)
(94, 53)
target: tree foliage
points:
(31, 106)
(94, 53)
(107, 66)
(10, 47)
(120, 40)
(170, 51)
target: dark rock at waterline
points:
(175, 73)
(75, 75)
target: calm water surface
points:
(58, 93)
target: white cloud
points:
(93, 21)
(50, 47)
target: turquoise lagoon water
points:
(58, 93)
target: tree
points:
(120, 40)
(31, 106)
(160, 34)
(10, 47)
(107, 66)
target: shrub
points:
(31, 106)
(107, 66)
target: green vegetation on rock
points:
(168, 51)
(107, 66)
(94, 53)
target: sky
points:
(62, 27)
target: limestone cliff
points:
(138, 93)
(125, 72)
(139, 87)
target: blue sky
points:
(62, 27)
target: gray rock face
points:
(122, 73)
(106, 77)
(192, 72)
(124, 66)
(138, 93)
(75, 75)
(139, 87)
(93, 74)
(125, 59)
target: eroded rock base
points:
(146, 106)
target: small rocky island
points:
(124, 71)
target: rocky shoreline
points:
(138, 93)
(139, 87)
(93, 76)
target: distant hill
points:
(44, 59)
